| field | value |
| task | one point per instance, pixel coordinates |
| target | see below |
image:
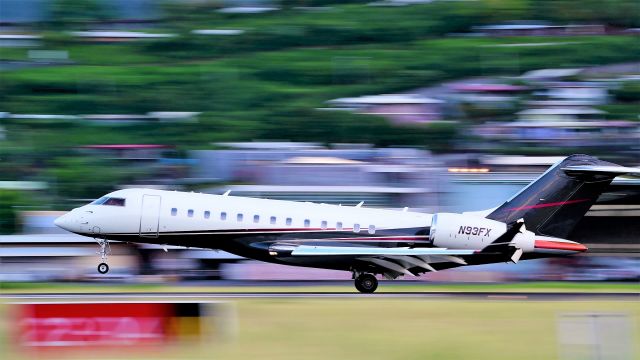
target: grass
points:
(374, 328)
(396, 329)
(385, 286)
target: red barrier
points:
(55, 325)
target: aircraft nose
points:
(64, 222)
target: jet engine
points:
(458, 231)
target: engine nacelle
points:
(458, 231)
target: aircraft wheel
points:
(366, 283)
(103, 268)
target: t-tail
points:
(553, 204)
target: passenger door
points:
(150, 216)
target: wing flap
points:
(389, 265)
(306, 250)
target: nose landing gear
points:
(104, 251)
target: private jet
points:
(532, 224)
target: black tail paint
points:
(553, 204)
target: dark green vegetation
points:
(8, 215)
(268, 82)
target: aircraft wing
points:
(307, 250)
(393, 261)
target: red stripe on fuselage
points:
(558, 245)
(559, 203)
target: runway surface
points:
(183, 296)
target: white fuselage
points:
(179, 212)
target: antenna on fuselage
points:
(226, 193)
(360, 204)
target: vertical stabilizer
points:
(553, 204)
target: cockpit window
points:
(99, 201)
(105, 200)
(114, 202)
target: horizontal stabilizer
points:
(512, 230)
(602, 169)
(306, 250)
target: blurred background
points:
(432, 105)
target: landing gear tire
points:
(103, 268)
(103, 250)
(366, 283)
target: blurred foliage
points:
(268, 82)
(628, 92)
(625, 111)
(9, 200)
(480, 114)
(73, 13)
(623, 13)
(86, 177)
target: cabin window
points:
(239, 217)
(190, 213)
(272, 220)
(372, 229)
(288, 221)
(356, 227)
(207, 214)
(223, 216)
(339, 226)
(323, 225)
(256, 218)
(174, 211)
(307, 222)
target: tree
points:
(87, 178)
(9, 199)
(68, 13)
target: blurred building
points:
(485, 95)
(524, 28)
(382, 177)
(398, 108)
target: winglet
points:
(614, 170)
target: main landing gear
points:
(103, 251)
(366, 283)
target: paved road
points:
(182, 296)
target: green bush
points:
(628, 92)
(9, 199)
